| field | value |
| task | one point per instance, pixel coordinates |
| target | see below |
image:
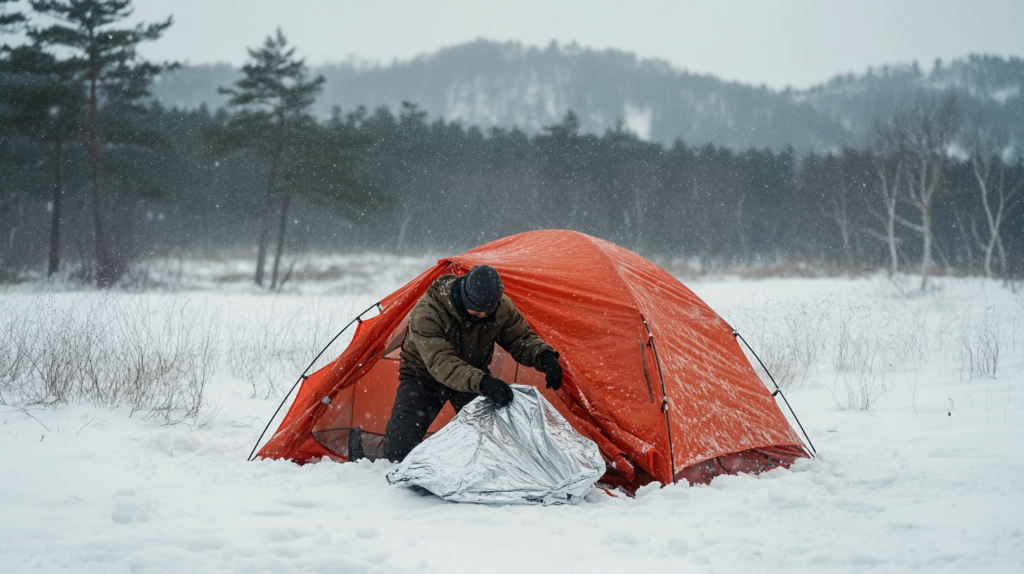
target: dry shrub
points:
(110, 350)
(860, 357)
(154, 353)
(870, 347)
(272, 346)
(863, 346)
(787, 338)
(979, 346)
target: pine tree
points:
(563, 162)
(105, 58)
(273, 93)
(324, 169)
(10, 20)
(44, 103)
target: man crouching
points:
(448, 349)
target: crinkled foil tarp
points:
(525, 453)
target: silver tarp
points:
(525, 453)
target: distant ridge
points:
(487, 84)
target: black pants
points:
(417, 404)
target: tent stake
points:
(778, 390)
(304, 374)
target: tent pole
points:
(305, 375)
(665, 407)
(778, 390)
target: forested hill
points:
(486, 84)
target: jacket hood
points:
(442, 292)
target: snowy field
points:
(914, 401)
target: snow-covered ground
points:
(928, 477)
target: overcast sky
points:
(778, 43)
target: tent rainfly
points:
(652, 375)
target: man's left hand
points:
(552, 370)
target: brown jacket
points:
(443, 345)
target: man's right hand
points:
(497, 390)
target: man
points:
(448, 349)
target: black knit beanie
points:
(482, 289)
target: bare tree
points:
(838, 181)
(889, 159)
(969, 240)
(998, 197)
(930, 128)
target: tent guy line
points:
(778, 390)
(305, 374)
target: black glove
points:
(497, 390)
(552, 370)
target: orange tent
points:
(652, 374)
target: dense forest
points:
(96, 175)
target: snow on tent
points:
(652, 375)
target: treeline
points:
(92, 182)
(487, 84)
